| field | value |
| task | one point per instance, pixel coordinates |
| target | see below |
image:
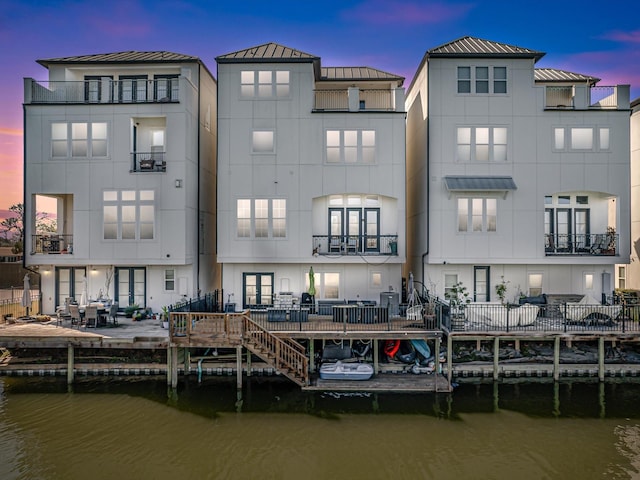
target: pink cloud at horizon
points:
(632, 37)
(405, 13)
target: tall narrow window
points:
(499, 79)
(482, 79)
(170, 280)
(244, 218)
(279, 218)
(261, 218)
(79, 140)
(464, 79)
(59, 137)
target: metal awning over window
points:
(479, 183)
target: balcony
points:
(51, 243)
(581, 97)
(591, 244)
(105, 91)
(148, 162)
(354, 99)
(355, 245)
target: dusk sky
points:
(601, 39)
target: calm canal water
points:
(108, 429)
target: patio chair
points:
(91, 316)
(113, 313)
(335, 245)
(352, 245)
(74, 312)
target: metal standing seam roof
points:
(123, 57)
(477, 183)
(357, 73)
(555, 75)
(268, 52)
(478, 47)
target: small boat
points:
(423, 348)
(391, 347)
(346, 371)
(406, 353)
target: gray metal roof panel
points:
(131, 56)
(478, 47)
(268, 52)
(357, 73)
(555, 75)
(470, 183)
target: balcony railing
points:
(583, 97)
(593, 244)
(148, 162)
(367, 100)
(49, 243)
(355, 244)
(102, 91)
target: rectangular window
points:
(588, 281)
(450, 280)
(170, 280)
(166, 88)
(261, 218)
(264, 83)
(327, 285)
(351, 146)
(535, 284)
(133, 88)
(82, 139)
(477, 214)
(128, 215)
(581, 139)
(262, 141)
(481, 144)
(482, 80)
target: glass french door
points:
(70, 283)
(257, 289)
(563, 229)
(336, 229)
(481, 292)
(582, 229)
(130, 286)
(354, 230)
(372, 229)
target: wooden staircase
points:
(285, 355)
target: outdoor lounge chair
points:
(580, 311)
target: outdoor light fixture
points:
(178, 183)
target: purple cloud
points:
(405, 13)
(623, 37)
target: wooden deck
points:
(385, 382)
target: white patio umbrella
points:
(411, 299)
(26, 293)
(84, 296)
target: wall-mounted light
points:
(178, 183)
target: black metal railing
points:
(355, 244)
(207, 303)
(50, 243)
(148, 162)
(107, 91)
(596, 244)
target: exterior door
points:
(563, 229)
(130, 286)
(70, 283)
(372, 229)
(549, 231)
(336, 229)
(354, 230)
(582, 229)
(481, 291)
(257, 289)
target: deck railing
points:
(558, 318)
(582, 97)
(12, 308)
(48, 243)
(366, 99)
(107, 91)
(594, 244)
(148, 162)
(355, 244)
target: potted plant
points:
(501, 289)
(130, 310)
(458, 297)
(165, 317)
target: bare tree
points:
(13, 227)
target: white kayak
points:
(346, 371)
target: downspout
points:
(198, 187)
(426, 252)
(24, 204)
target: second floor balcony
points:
(355, 244)
(590, 244)
(148, 162)
(51, 243)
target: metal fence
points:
(12, 308)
